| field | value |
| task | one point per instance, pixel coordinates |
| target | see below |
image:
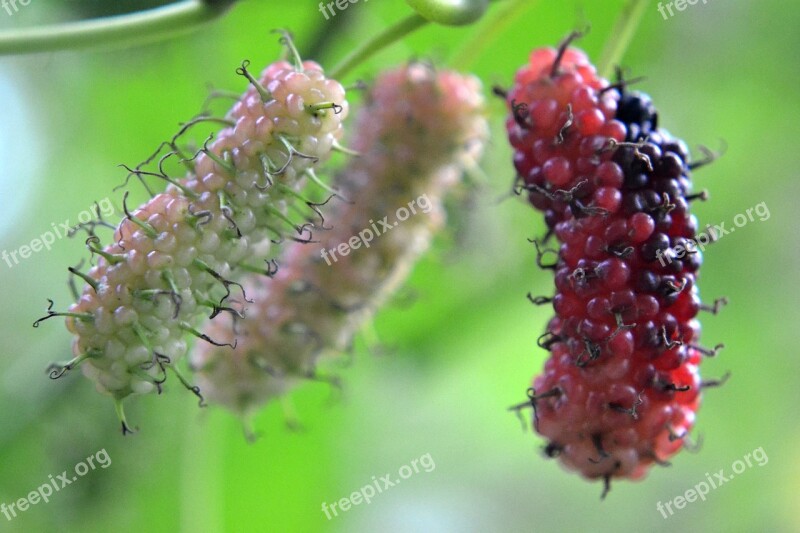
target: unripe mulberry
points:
(173, 259)
(621, 387)
(415, 133)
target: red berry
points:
(620, 389)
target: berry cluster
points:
(173, 258)
(620, 389)
(415, 133)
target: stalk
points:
(621, 35)
(122, 30)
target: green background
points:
(462, 352)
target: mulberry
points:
(621, 387)
(173, 258)
(415, 133)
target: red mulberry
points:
(621, 387)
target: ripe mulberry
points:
(173, 258)
(621, 387)
(415, 133)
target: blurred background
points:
(459, 344)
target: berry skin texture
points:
(172, 259)
(415, 133)
(621, 387)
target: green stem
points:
(622, 34)
(202, 473)
(490, 32)
(450, 12)
(139, 27)
(377, 43)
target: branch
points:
(133, 28)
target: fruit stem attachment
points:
(370, 47)
(621, 35)
(133, 28)
(291, 50)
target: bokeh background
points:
(458, 346)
